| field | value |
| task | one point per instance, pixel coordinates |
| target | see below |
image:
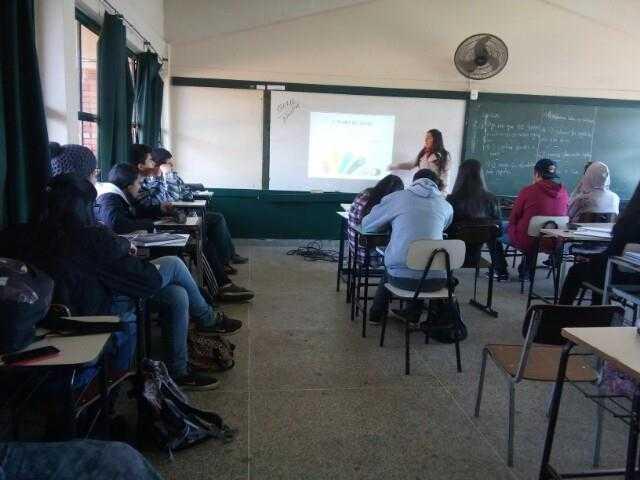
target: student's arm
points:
(152, 193)
(402, 166)
(115, 214)
(175, 188)
(380, 216)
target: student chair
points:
(475, 235)
(427, 255)
(536, 224)
(538, 358)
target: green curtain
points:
(24, 155)
(115, 95)
(148, 107)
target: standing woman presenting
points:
(432, 156)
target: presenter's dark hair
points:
(389, 184)
(123, 175)
(442, 156)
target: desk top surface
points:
(345, 206)
(192, 222)
(343, 214)
(620, 345)
(574, 235)
(74, 351)
(194, 204)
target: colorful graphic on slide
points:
(350, 146)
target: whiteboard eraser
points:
(474, 94)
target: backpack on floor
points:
(444, 322)
(25, 298)
(175, 423)
(210, 353)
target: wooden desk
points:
(621, 346)
(197, 204)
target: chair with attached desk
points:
(538, 358)
(427, 255)
(475, 235)
(536, 224)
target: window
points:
(87, 67)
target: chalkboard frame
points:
(543, 100)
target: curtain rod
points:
(146, 43)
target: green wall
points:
(280, 214)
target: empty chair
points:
(538, 358)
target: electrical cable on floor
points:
(313, 252)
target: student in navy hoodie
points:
(418, 212)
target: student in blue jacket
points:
(419, 212)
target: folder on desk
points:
(156, 239)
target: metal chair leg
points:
(406, 346)
(598, 434)
(583, 291)
(485, 354)
(511, 424)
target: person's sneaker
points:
(224, 326)
(229, 270)
(499, 276)
(238, 259)
(197, 381)
(234, 293)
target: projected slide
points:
(350, 146)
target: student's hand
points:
(166, 208)
(166, 168)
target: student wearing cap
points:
(545, 197)
(75, 159)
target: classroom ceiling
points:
(190, 20)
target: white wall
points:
(57, 53)
(587, 48)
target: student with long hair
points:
(432, 156)
(626, 230)
(473, 203)
(365, 201)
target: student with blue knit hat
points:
(76, 159)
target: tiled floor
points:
(312, 399)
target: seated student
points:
(95, 275)
(165, 185)
(115, 209)
(542, 197)
(365, 201)
(626, 230)
(592, 194)
(76, 159)
(418, 212)
(77, 459)
(473, 203)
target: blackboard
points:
(508, 137)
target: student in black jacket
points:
(626, 230)
(473, 204)
(115, 208)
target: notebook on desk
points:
(156, 239)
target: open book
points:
(157, 239)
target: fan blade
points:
(480, 49)
(495, 63)
(469, 66)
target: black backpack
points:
(444, 322)
(177, 424)
(25, 298)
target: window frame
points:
(84, 20)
